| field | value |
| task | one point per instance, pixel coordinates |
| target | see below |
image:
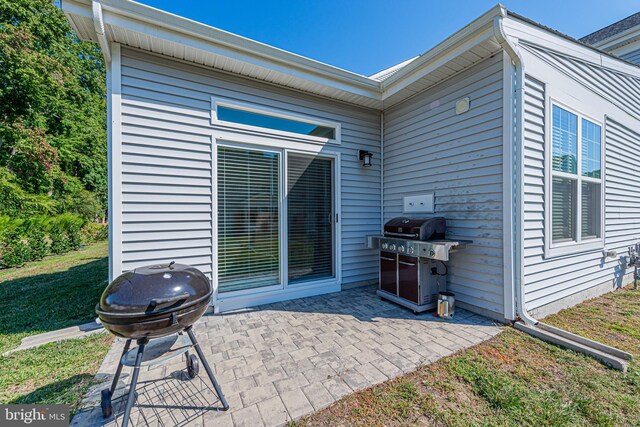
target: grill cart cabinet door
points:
(388, 272)
(408, 271)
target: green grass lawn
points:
(514, 380)
(54, 293)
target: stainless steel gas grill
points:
(413, 255)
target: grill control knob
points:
(385, 246)
(401, 249)
(410, 250)
(392, 247)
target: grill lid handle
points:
(156, 302)
(392, 233)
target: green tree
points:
(52, 114)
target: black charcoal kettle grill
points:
(151, 305)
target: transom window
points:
(270, 120)
(576, 178)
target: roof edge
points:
(566, 37)
(483, 22)
(630, 24)
(168, 21)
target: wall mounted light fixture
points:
(365, 156)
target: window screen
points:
(310, 217)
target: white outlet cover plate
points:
(421, 203)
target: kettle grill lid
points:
(154, 288)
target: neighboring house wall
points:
(613, 98)
(428, 148)
(167, 162)
(633, 56)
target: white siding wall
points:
(428, 148)
(167, 162)
(552, 283)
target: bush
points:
(34, 238)
(95, 232)
(15, 253)
(65, 232)
(36, 234)
(59, 241)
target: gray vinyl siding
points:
(551, 279)
(428, 148)
(632, 56)
(167, 162)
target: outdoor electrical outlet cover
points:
(422, 203)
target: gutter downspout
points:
(611, 356)
(98, 26)
(381, 172)
(517, 183)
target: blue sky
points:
(366, 36)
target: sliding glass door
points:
(310, 216)
(248, 219)
(253, 248)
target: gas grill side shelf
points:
(432, 249)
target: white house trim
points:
(114, 160)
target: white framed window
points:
(575, 182)
(265, 120)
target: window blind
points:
(310, 218)
(248, 216)
(565, 140)
(563, 209)
(591, 136)
(591, 219)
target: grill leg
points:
(207, 368)
(134, 381)
(114, 384)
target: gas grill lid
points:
(154, 289)
(416, 228)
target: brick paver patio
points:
(281, 361)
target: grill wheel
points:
(193, 366)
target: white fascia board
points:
(469, 36)
(435, 61)
(518, 30)
(151, 22)
(75, 11)
(329, 80)
(156, 23)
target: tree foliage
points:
(52, 114)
